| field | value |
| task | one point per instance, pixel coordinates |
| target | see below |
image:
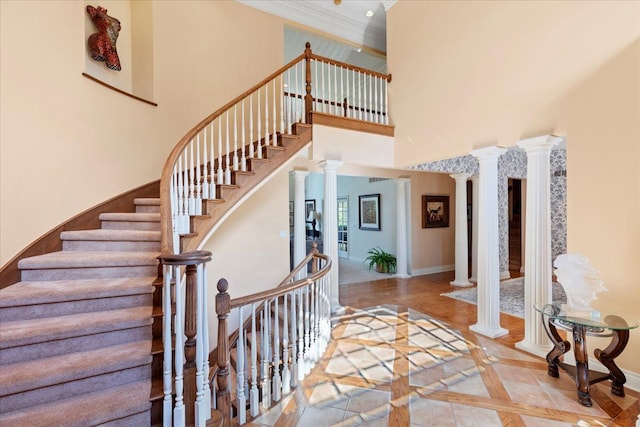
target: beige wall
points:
(472, 74)
(251, 248)
(68, 143)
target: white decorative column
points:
(538, 267)
(401, 228)
(299, 229)
(462, 242)
(488, 257)
(330, 227)
(474, 228)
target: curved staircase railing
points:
(228, 144)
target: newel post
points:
(308, 99)
(190, 344)
(315, 260)
(222, 309)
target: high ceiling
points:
(347, 20)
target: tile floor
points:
(391, 367)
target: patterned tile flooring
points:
(389, 366)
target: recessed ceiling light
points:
(359, 49)
(369, 13)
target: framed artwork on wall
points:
(369, 212)
(435, 211)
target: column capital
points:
(488, 152)
(330, 164)
(475, 178)
(402, 180)
(460, 176)
(298, 174)
(539, 143)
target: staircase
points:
(84, 340)
(75, 342)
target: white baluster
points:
(243, 161)
(190, 177)
(205, 166)
(275, 116)
(336, 110)
(282, 104)
(167, 380)
(328, 66)
(266, 383)
(342, 90)
(182, 203)
(179, 410)
(297, 117)
(220, 179)
(316, 87)
(241, 400)
(251, 148)
(276, 380)
(354, 99)
(198, 178)
(289, 112)
(253, 394)
(378, 109)
(386, 102)
(294, 341)
(301, 361)
(212, 172)
(322, 101)
(266, 114)
(365, 101)
(360, 95)
(235, 138)
(313, 320)
(227, 171)
(286, 374)
(200, 408)
(259, 131)
(307, 336)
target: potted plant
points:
(383, 261)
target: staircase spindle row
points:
(283, 343)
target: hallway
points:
(391, 363)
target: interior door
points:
(343, 227)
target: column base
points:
(533, 348)
(461, 283)
(337, 310)
(505, 275)
(402, 276)
(473, 279)
(488, 332)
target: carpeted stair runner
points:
(75, 341)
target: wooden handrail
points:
(387, 77)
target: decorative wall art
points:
(369, 212)
(435, 211)
(102, 45)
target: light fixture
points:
(369, 13)
(359, 50)
(337, 2)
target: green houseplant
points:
(383, 261)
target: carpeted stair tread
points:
(131, 217)
(88, 410)
(24, 376)
(88, 259)
(24, 332)
(43, 292)
(110, 235)
(148, 201)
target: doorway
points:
(515, 224)
(343, 227)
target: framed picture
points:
(369, 209)
(309, 206)
(291, 215)
(435, 211)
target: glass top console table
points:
(581, 324)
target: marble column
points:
(299, 225)
(488, 257)
(462, 242)
(330, 228)
(474, 228)
(401, 228)
(537, 253)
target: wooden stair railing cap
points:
(187, 258)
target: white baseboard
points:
(433, 270)
(633, 378)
